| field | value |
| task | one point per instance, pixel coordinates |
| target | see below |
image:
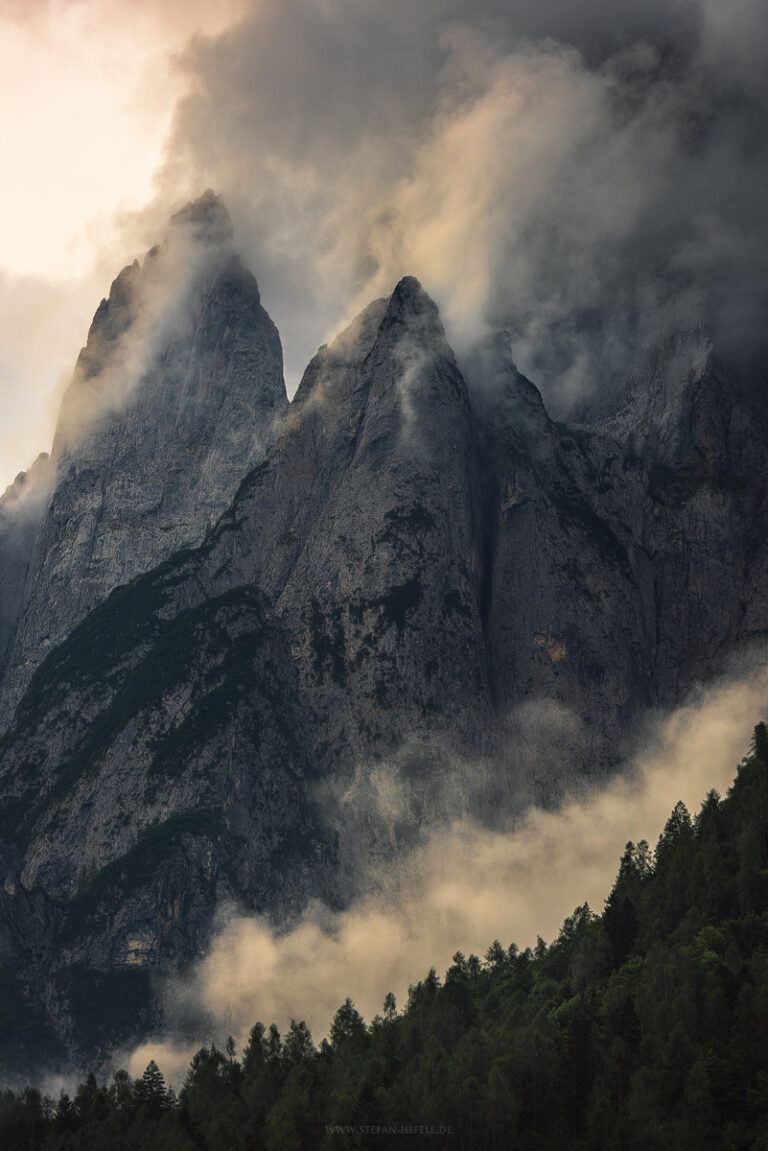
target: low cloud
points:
(27, 496)
(588, 178)
(463, 887)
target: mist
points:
(150, 307)
(460, 889)
(590, 179)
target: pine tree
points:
(348, 1027)
(298, 1046)
(150, 1091)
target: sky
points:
(87, 95)
(591, 177)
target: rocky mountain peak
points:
(121, 292)
(347, 352)
(151, 307)
(411, 307)
(174, 398)
(205, 219)
(112, 319)
(507, 402)
(22, 506)
(400, 336)
(354, 343)
(679, 408)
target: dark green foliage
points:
(760, 743)
(666, 486)
(407, 529)
(453, 603)
(150, 1092)
(643, 1029)
(673, 487)
(348, 1030)
(413, 518)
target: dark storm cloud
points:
(590, 176)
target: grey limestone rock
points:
(174, 398)
(415, 575)
(22, 507)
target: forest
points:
(639, 1028)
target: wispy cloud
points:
(588, 179)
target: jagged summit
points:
(206, 218)
(146, 300)
(409, 303)
(121, 291)
(348, 349)
(500, 392)
(409, 319)
(409, 293)
(111, 321)
(357, 338)
(174, 397)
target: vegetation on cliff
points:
(638, 1029)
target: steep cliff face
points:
(22, 507)
(361, 527)
(565, 620)
(696, 432)
(364, 634)
(421, 575)
(174, 398)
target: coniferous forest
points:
(641, 1028)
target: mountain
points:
(173, 399)
(22, 507)
(244, 620)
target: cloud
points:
(588, 177)
(42, 326)
(464, 886)
(87, 92)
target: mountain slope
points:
(422, 587)
(22, 507)
(174, 398)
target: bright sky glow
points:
(87, 94)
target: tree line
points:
(643, 1028)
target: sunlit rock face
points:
(174, 398)
(408, 595)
